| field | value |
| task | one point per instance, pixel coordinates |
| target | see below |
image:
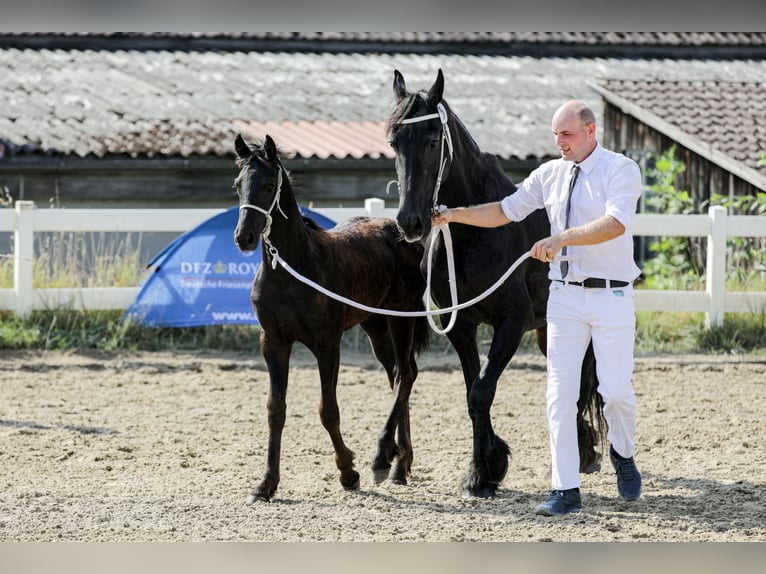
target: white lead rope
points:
(276, 258)
(444, 230)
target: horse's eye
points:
(433, 142)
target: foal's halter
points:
(267, 212)
(444, 229)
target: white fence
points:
(25, 220)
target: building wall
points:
(192, 183)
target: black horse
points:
(365, 260)
(449, 168)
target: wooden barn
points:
(718, 129)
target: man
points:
(591, 292)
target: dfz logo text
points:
(218, 268)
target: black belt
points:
(596, 283)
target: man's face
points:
(574, 139)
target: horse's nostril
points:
(245, 240)
(410, 225)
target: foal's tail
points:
(422, 336)
(591, 425)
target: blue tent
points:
(202, 278)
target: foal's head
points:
(258, 186)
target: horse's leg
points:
(393, 346)
(542, 339)
(463, 339)
(277, 356)
(490, 453)
(589, 412)
(376, 328)
(328, 358)
(402, 334)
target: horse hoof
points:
(398, 475)
(379, 474)
(591, 468)
(485, 491)
(591, 462)
(256, 497)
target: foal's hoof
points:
(379, 475)
(352, 483)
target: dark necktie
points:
(575, 172)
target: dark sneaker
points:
(560, 502)
(628, 477)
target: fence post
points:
(715, 280)
(374, 206)
(24, 250)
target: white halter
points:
(267, 213)
(443, 229)
(446, 137)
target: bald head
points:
(577, 110)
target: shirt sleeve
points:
(527, 198)
(623, 191)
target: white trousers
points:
(576, 316)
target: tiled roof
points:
(728, 116)
(175, 103)
(323, 139)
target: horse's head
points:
(417, 131)
(258, 186)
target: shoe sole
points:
(629, 499)
(543, 512)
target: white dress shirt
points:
(609, 184)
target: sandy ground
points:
(165, 447)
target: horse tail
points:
(591, 425)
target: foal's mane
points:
(257, 150)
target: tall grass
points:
(89, 259)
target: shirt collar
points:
(589, 162)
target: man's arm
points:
(599, 230)
(484, 215)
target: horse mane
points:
(402, 110)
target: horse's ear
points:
(437, 90)
(271, 149)
(241, 148)
(400, 89)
